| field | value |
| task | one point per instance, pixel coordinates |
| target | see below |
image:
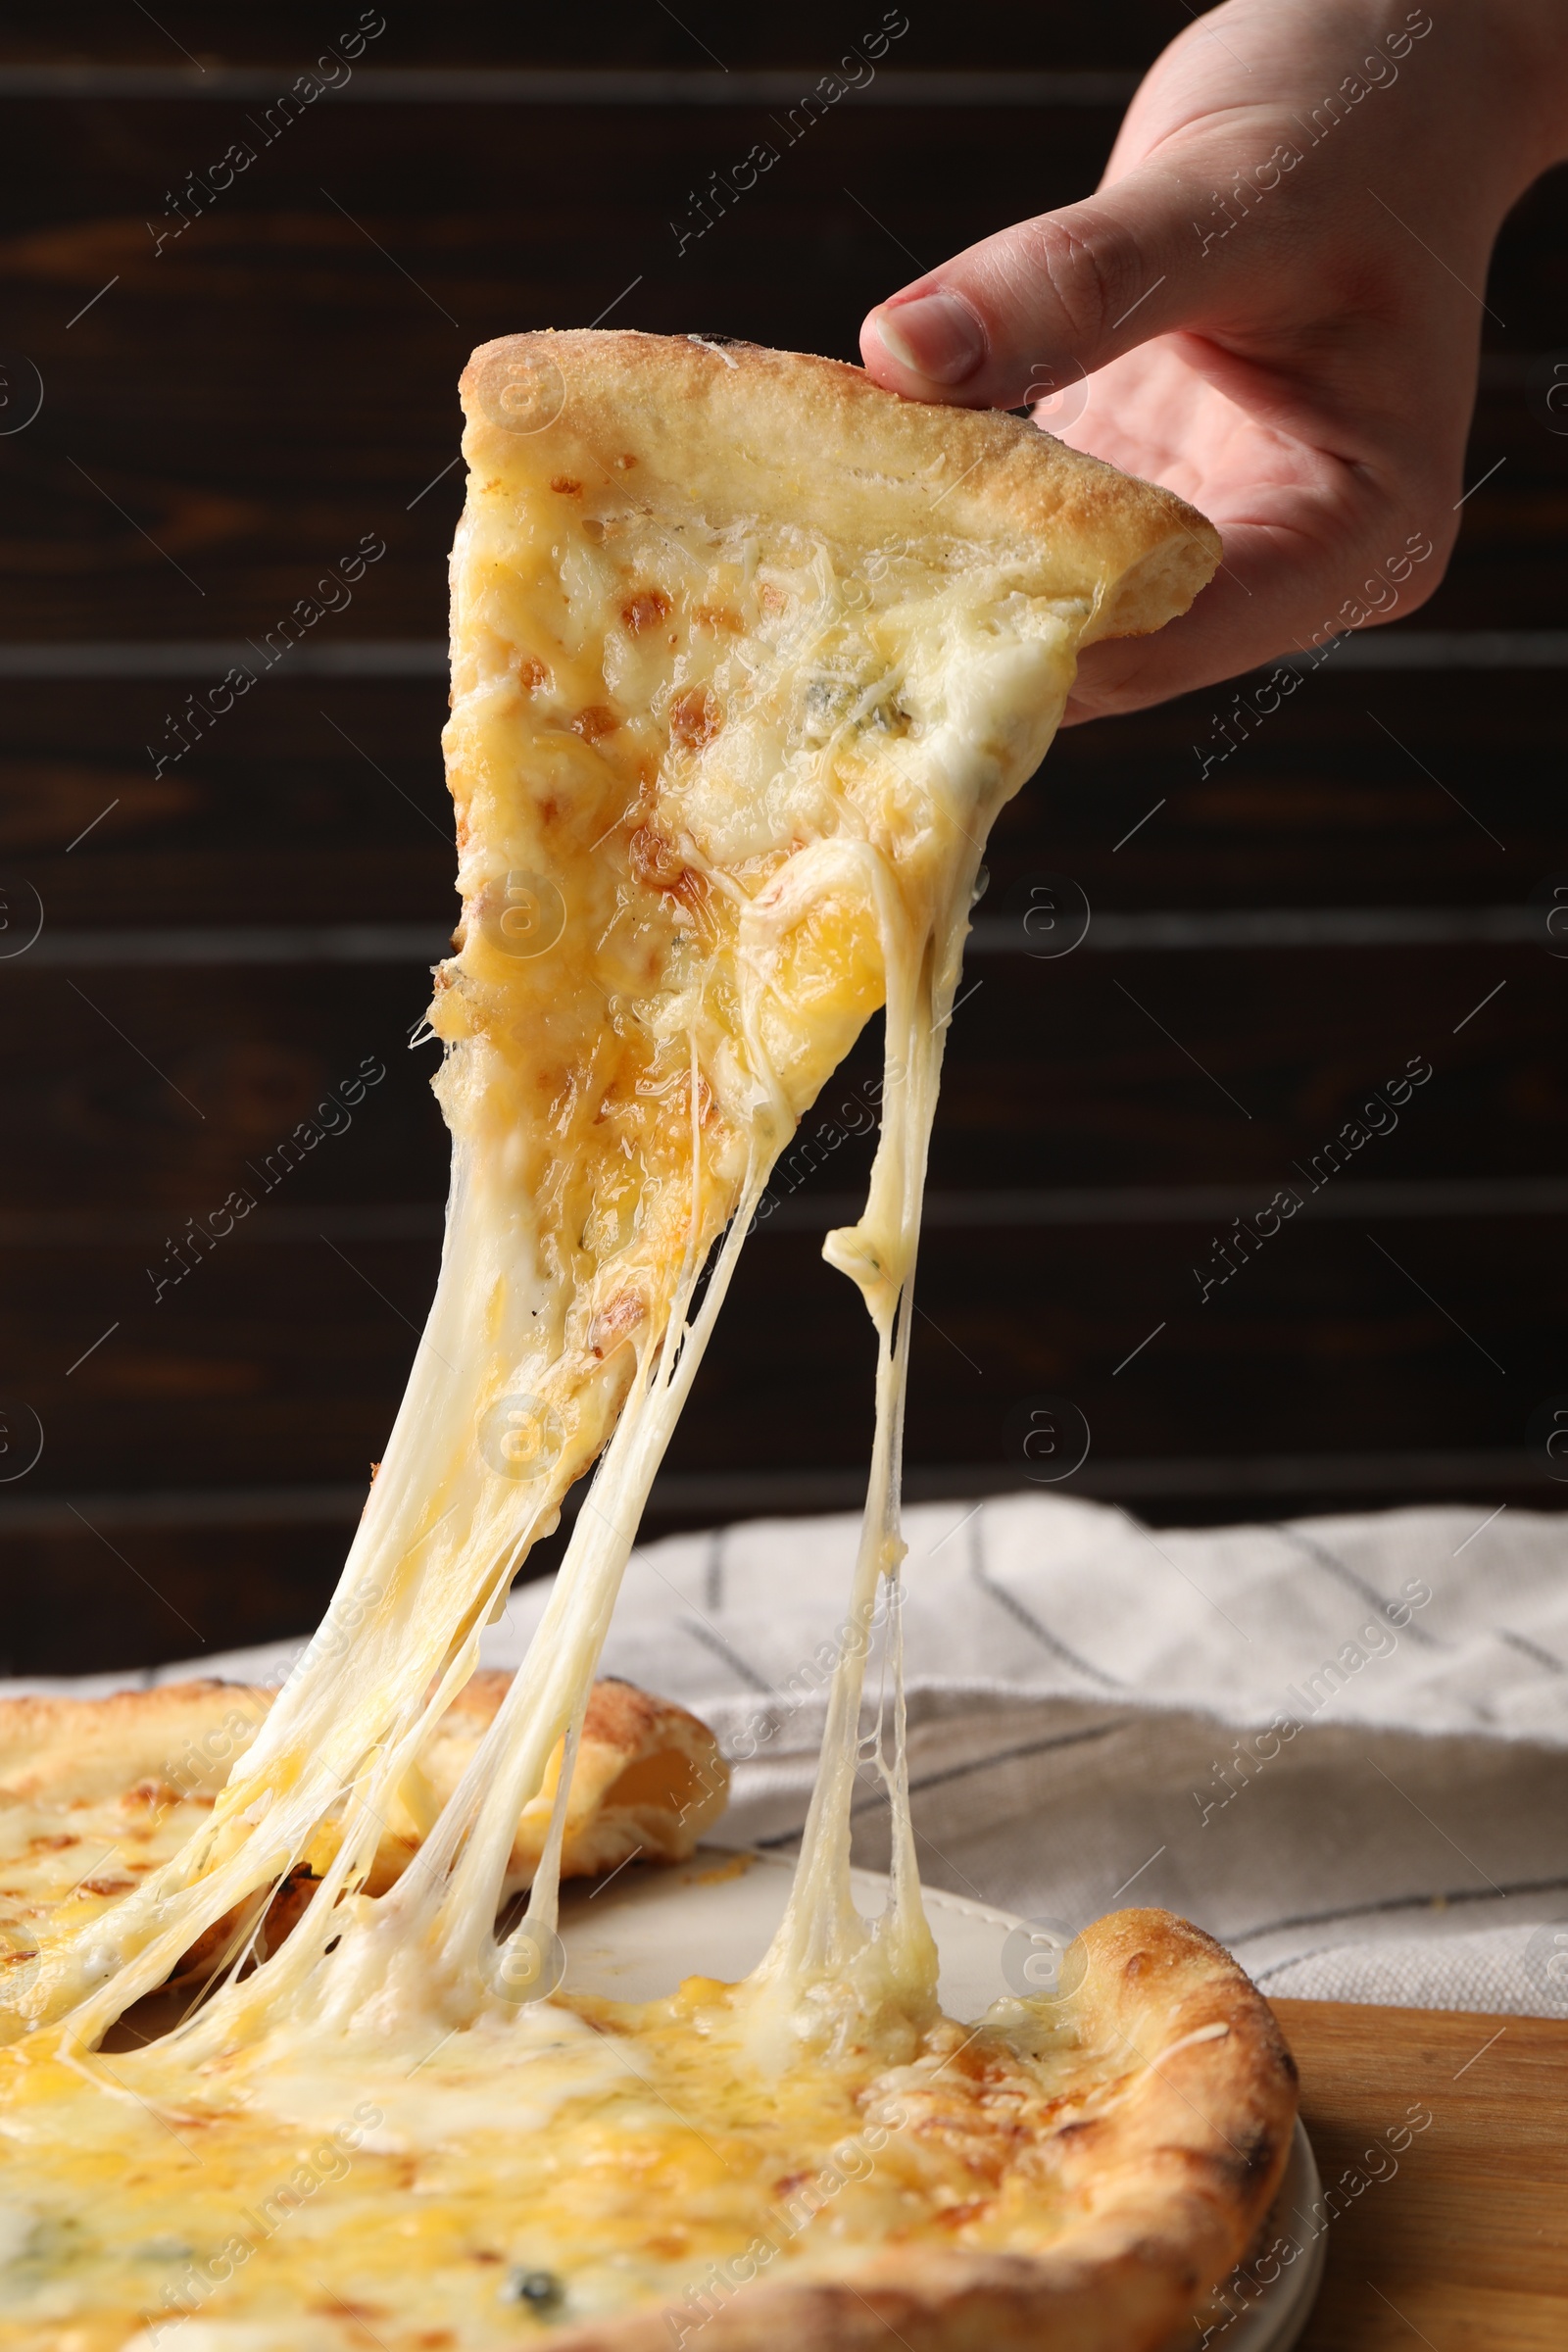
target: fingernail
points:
(936, 335)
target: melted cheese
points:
(721, 791)
(617, 2157)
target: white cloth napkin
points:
(1340, 1744)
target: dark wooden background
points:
(224, 418)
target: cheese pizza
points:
(746, 654)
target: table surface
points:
(1462, 2242)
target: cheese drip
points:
(825, 1956)
(619, 1096)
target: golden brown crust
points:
(1164, 2182)
(736, 428)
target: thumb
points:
(1038, 306)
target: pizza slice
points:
(747, 654)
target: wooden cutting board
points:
(1462, 2242)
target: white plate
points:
(633, 1938)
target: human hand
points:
(1272, 305)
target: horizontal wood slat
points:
(667, 87)
(327, 798)
(496, 34)
(287, 1361)
(1055, 1075)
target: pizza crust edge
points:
(738, 428)
(1173, 2180)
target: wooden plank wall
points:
(228, 416)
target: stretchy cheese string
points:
(442, 1536)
